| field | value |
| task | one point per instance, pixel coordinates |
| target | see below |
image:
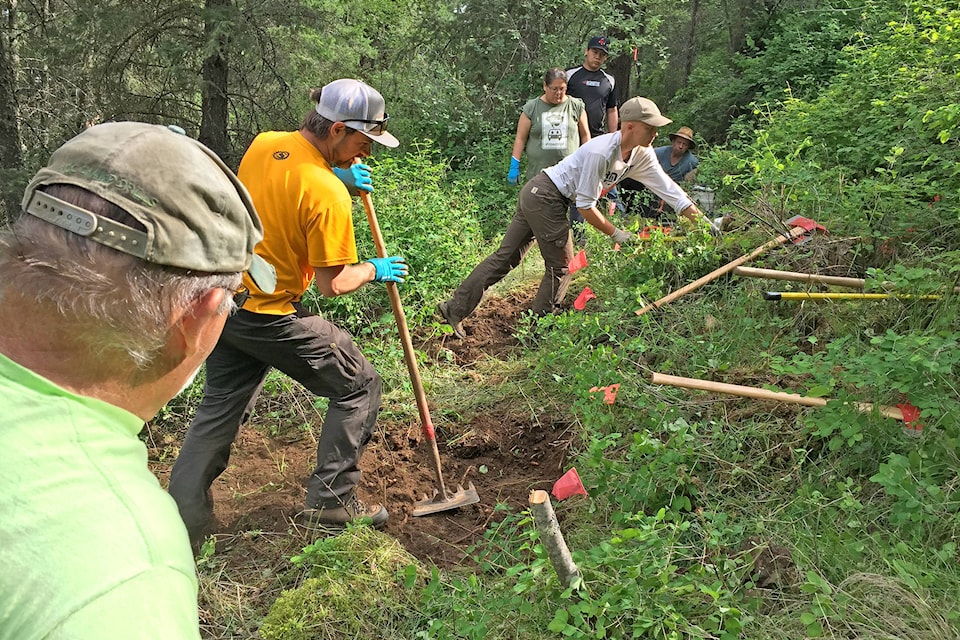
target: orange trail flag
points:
(579, 262)
(609, 392)
(568, 485)
(581, 302)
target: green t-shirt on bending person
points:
(91, 547)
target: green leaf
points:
(559, 622)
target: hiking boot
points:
(353, 511)
(456, 323)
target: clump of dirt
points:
(771, 565)
(505, 456)
(490, 329)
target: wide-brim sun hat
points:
(687, 134)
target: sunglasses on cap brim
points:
(381, 125)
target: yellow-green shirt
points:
(306, 213)
(91, 547)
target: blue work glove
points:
(392, 269)
(356, 177)
(513, 176)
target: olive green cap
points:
(197, 214)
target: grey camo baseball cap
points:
(197, 214)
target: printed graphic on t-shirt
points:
(614, 175)
(554, 128)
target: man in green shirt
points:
(115, 282)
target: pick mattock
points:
(810, 278)
(442, 499)
(794, 276)
(800, 226)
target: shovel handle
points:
(796, 232)
(764, 394)
(408, 354)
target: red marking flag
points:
(579, 262)
(609, 392)
(581, 302)
(568, 485)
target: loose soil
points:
(504, 454)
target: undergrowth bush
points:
(431, 223)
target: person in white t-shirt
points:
(580, 179)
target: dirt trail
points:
(504, 454)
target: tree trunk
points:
(621, 67)
(11, 154)
(690, 53)
(213, 91)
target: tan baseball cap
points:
(643, 110)
(197, 214)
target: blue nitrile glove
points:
(513, 176)
(391, 269)
(356, 177)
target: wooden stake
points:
(549, 529)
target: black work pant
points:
(309, 349)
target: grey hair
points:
(120, 304)
(554, 73)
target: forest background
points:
(843, 111)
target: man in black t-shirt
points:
(597, 89)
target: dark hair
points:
(554, 73)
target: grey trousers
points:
(541, 215)
(309, 349)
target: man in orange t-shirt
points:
(301, 187)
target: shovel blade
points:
(459, 498)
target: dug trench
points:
(505, 453)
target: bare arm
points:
(583, 128)
(613, 120)
(336, 281)
(523, 132)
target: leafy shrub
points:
(433, 226)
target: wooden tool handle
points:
(408, 354)
(796, 232)
(764, 394)
(793, 276)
